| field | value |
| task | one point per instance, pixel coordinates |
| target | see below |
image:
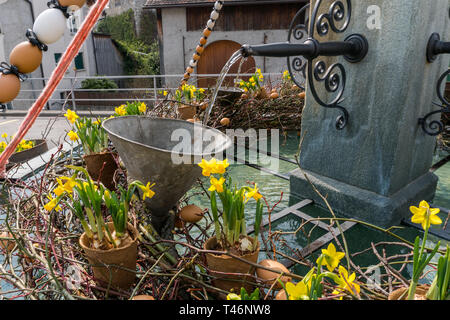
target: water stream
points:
(234, 58)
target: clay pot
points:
(94, 164)
(227, 264)
(402, 293)
(187, 112)
(125, 257)
(40, 147)
(9, 87)
(26, 57)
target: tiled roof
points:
(188, 3)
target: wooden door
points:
(214, 58)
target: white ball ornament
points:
(214, 15)
(211, 24)
(218, 6)
(50, 26)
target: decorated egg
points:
(269, 276)
(50, 26)
(191, 213)
(9, 87)
(26, 57)
(143, 297)
(302, 95)
(281, 295)
(70, 3)
(7, 245)
(225, 122)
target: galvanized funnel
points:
(151, 149)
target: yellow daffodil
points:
(298, 291)
(252, 80)
(217, 185)
(73, 136)
(121, 111)
(69, 184)
(147, 192)
(5, 135)
(142, 107)
(52, 204)
(330, 257)
(165, 93)
(208, 166)
(253, 193)
(233, 296)
(347, 282)
(97, 122)
(425, 215)
(71, 116)
(220, 167)
(107, 195)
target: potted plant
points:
(189, 99)
(100, 161)
(110, 247)
(230, 229)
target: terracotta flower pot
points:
(125, 257)
(402, 293)
(94, 164)
(187, 112)
(227, 264)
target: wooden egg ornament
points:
(7, 245)
(203, 41)
(70, 3)
(206, 32)
(50, 26)
(143, 297)
(281, 295)
(26, 57)
(269, 276)
(191, 213)
(225, 122)
(9, 87)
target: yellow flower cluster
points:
(254, 83)
(22, 146)
(189, 94)
(286, 76)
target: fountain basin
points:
(151, 149)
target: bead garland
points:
(26, 57)
(204, 39)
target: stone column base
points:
(361, 204)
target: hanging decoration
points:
(48, 28)
(204, 39)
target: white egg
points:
(50, 26)
(211, 24)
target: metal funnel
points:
(151, 149)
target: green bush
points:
(98, 84)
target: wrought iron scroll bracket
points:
(354, 49)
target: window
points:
(73, 22)
(57, 57)
(79, 62)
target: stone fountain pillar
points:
(378, 165)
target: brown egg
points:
(274, 95)
(191, 213)
(204, 105)
(196, 57)
(244, 96)
(190, 120)
(143, 297)
(302, 95)
(9, 87)
(203, 41)
(66, 3)
(189, 70)
(26, 57)
(199, 49)
(281, 295)
(7, 245)
(206, 32)
(225, 122)
(270, 277)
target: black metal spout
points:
(436, 47)
(354, 49)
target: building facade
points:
(18, 16)
(180, 24)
